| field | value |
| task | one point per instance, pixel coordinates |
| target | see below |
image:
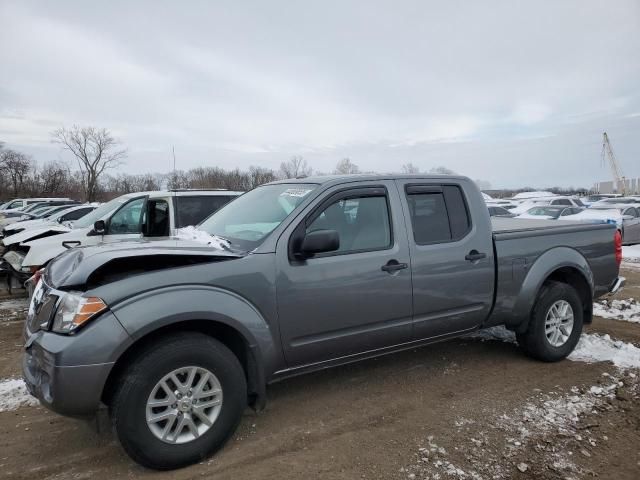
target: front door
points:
(451, 257)
(125, 223)
(357, 298)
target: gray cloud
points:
(513, 92)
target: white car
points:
(626, 217)
(26, 230)
(554, 201)
(22, 203)
(548, 212)
(130, 216)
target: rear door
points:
(452, 261)
(355, 299)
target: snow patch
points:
(631, 254)
(602, 348)
(200, 236)
(14, 394)
(627, 310)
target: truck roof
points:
(182, 193)
(363, 177)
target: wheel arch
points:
(247, 354)
(562, 264)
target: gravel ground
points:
(469, 408)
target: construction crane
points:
(616, 171)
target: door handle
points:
(474, 256)
(393, 266)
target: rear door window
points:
(438, 213)
(562, 201)
(191, 210)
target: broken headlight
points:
(74, 311)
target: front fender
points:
(152, 310)
(45, 249)
(544, 266)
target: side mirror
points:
(99, 227)
(628, 217)
(319, 241)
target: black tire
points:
(534, 341)
(128, 407)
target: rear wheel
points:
(179, 401)
(555, 325)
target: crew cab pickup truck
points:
(177, 336)
(133, 215)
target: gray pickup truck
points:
(177, 336)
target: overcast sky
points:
(517, 93)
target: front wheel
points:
(555, 325)
(179, 401)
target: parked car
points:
(177, 335)
(551, 201)
(499, 212)
(616, 201)
(22, 203)
(596, 197)
(16, 215)
(625, 217)
(550, 213)
(130, 216)
(61, 216)
(44, 212)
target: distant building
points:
(632, 187)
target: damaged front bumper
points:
(68, 373)
(12, 270)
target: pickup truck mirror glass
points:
(320, 241)
(99, 227)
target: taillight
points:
(617, 244)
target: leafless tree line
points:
(96, 152)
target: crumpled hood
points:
(34, 232)
(75, 267)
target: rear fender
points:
(543, 268)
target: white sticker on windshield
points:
(295, 192)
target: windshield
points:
(247, 220)
(99, 213)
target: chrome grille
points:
(42, 306)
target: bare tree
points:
(410, 168)
(95, 151)
(17, 166)
(346, 166)
(259, 175)
(295, 167)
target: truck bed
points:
(528, 226)
(525, 245)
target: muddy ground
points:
(461, 409)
